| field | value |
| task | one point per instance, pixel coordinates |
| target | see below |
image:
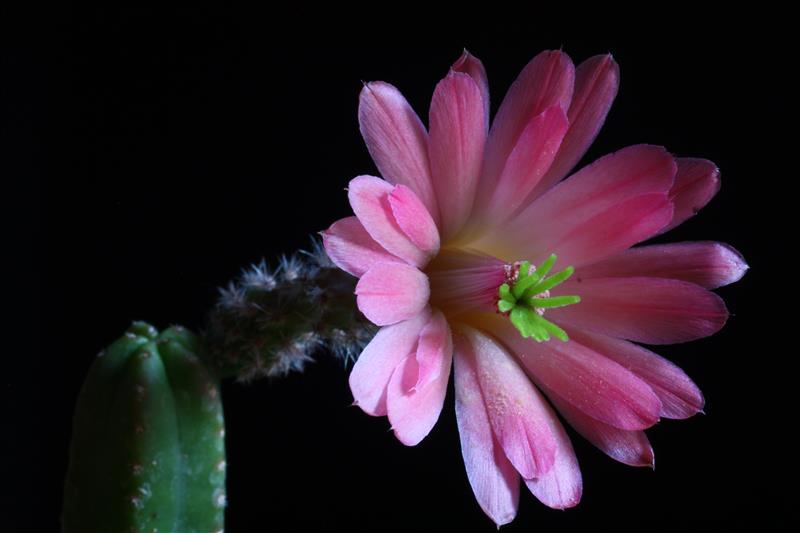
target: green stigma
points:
(526, 299)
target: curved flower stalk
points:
(269, 322)
(454, 250)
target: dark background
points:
(165, 150)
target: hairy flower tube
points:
(455, 250)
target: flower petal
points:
(376, 364)
(517, 413)
(415, 400)
(594, 384)
(597, 188)
(370, 199)
(648, 310)
(610, 232)
(696, 183)
(491, 475)
(396, 139)
(680, 397)
(708, 264)
(434, 340)
(628, 447)
(596, 85)
(457, 138)
(471, 65)
(388, 293)
(547, 80)
(562, 486)
(529, 160)
(351, 248)
(414, 219)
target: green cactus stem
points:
(148, 450)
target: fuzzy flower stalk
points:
(268, 322)
(481, 252)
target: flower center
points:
(526, 294)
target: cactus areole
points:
(148, 450)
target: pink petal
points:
(680, 397)
(517, 413)
(388, 293)
(532, 155)
(708, 264)
(547, 80)
(562, 486)
(491, 475)
(415, 400)
(696, 183)
(600, 187)
(596, 84)
(414, 219)
(457, 139)
(370, 199)
(628, 447)
(471, 65)
(396, 139)
(351, 248)
(377, 362)
(610, 232)
(434, 340)
(591, 382)
(648, 310)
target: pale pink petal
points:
(351, 248)
(396, 140)
(596, 85)
(628, 447)
(696, 183)
(491, 475)
(370, 199)
(599, 187)
(562, 486)
(375, 366)
(519, 417)
(388, 293)
(591, 382)
(648, 310)
(415, 401)
(457, 139)
(680, 397)
(471, 65)
(529, 160)
(414, 219)
(434, 340)
(547, 80)
(708, 264)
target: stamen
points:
(526, 295)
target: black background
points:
(165, 150)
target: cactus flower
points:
(480, 250)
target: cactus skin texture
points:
(148, 451)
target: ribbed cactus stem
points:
(148, 452)
(270, 322)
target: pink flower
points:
(445, 247)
